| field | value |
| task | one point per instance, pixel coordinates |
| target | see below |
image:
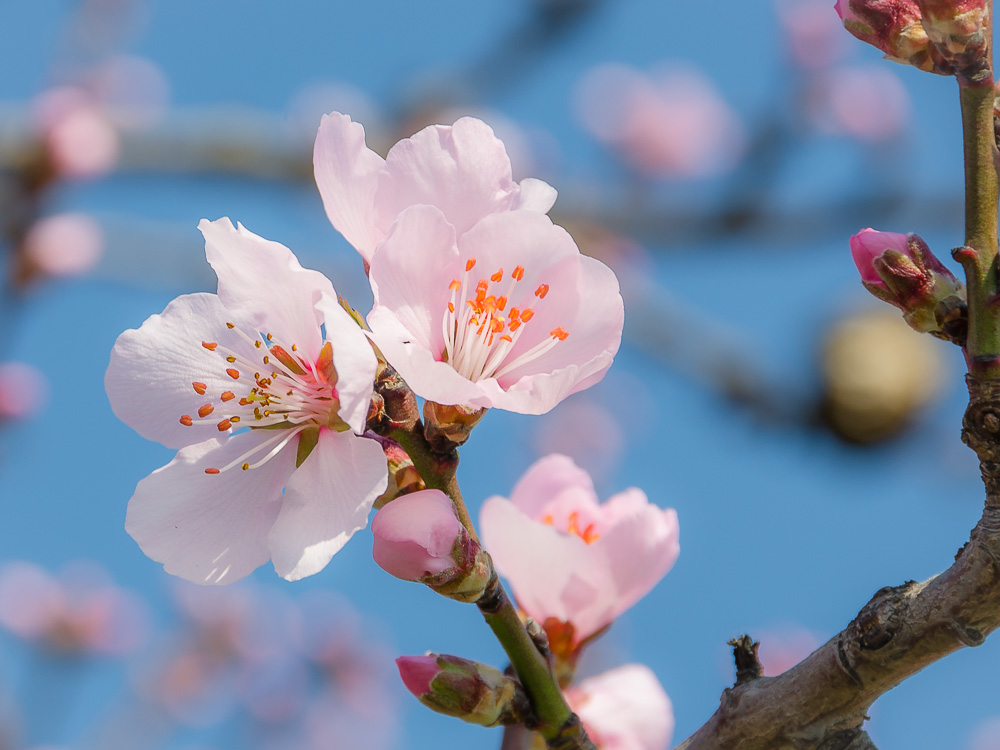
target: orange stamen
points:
(501, 302)
(527, 315)
(497, 276)
(455, 285)
(186, 420)
(210, 345)
(548, 520)
(228, 396)
(542, 290)
(211, 471)
(224, 425)
(470, 264)
(205, 410)
(518, 273)
(200, 388)
(234, 374)
(559, 333)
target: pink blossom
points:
(254, 356)
(571, 559)
(624, 708)
(415, 535)
(507, 315)
(64, 244)
(866, 102)
(813, 36)
(669, 123)
(461, 169)
(81, 140)
(417, 673)
(78, 611)
(23, 390)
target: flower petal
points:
(624, 708)
(263, 286)
(210, 528)
(150, 377)
(560, 577)
(546, 479)
(353, 360)
(347, 174)
(463, 169)
(327, 499)
(534, 195)
(639, 550)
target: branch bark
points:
(822, 702)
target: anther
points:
(558, 333)
(518, 273)
(205, 410)
(211, 471)
(497, 276)
(200, 388)
(224, 425)
(542, 290)
(229, 396)
(210, 345)
(234, 374)
(245, 466)
(470, 264)
(527, 315)
(230, 326)
(234, 419)
(230, 359)
(186, 420)
(455, 285)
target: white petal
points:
(149, 379)
(327, 499)
(353, 360)
(347, 174)
(210, 528)
(263, 286)
(535, 195)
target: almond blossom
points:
(574, 564)
(264, 388)
(624, 708)
(461, 169)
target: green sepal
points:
(308, 440)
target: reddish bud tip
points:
(417, 673)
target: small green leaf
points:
(307, 441)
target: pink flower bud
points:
(416, 535)
(893, 26)
(958, 30)
(869, 244)
(417, 673)
(900, 269)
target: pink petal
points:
(638, 551)
(347, 174)
(415, 535)
(546, 479)
(263, 286)
(550, 574)
(210, 528)
(417, 672)
(462, 169)
(534, 195)
(327, 499)
(353, 360)
(624, 709)
(149, 379)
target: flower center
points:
(480, 332)
(274, 388)
(588, 533)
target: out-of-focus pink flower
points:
(133, 91)
(865, 102)
(507, 315)
(986, 735)
(783, 648)
(78, 612)
(23, 390)
(81, 140)
(272, 350)
(64, 244)
(624, 708)
(813, 36)
(461, 169)
(670, 123)
(570, 559)
(585, 431)
(416, 535)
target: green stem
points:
(557, 723)
(979, 257)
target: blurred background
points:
(717, 156)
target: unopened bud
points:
(958, 28)
(476, 693)
(419, 538)
(403, 475)
(900, 269)
(893, 26)
(449, 426)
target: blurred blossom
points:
(783, 648)
(80, 611)
(985, 735)
(814, 36)
(80, 139)
(867, 102)
(23, 390)
(133, 91)
(667, 123)
(64, 244)
(624, 708)
(586, 431)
